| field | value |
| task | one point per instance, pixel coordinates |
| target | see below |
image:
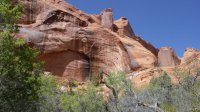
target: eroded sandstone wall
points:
(73, 48)
(76, 45)
(167, 57)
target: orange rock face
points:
(107, 18)
(76, 45)
(141, 58)
(190, 55)
(167, 57)
(73, 45)
(67, 64)
(123, 27)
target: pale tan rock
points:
(190, 55)
(140, 56)
(167, 57)
(123, 27)
(142, 78)
(146, 44)
(107, 18)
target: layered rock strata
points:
(76, 45)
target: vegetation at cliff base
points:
(160, 96)
(25, 87)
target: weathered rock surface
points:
(143, 77)
(67, 64)
(73, 48)
(146, 44)
(141, 58)
(123, 27)
(34, 7)
(167, 57)
(190, 55)
(76, 45)
(107, 18)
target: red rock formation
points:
(190, 55)
(143, 77)
(34, 7)
(123, 27)
(107, 18)
(68, 64)
(167, 57)
(76, 45)
(73, 46)
(141, 58)
(147, 45)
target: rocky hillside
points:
(76, 45)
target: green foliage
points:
(19, 74)
(19, 42)
(69, 102)
(23, 88)
(49, 94)
(91, 101)
(122, 93)
(9, 14)
(181, 74)
(168, 107)
(83, 101)
(96, 78)
(116, 79)
(164, 81)
(19, 68)
(161, 95)
(52, 99)
(73, 83)
(196, 96)
(174, 98)
(160, 88)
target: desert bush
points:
(49, 94)
(160, 96)
(88, 100)
(182, 97)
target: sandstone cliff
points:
(76, 45)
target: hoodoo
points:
(107, 18)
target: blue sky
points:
(174, 23)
